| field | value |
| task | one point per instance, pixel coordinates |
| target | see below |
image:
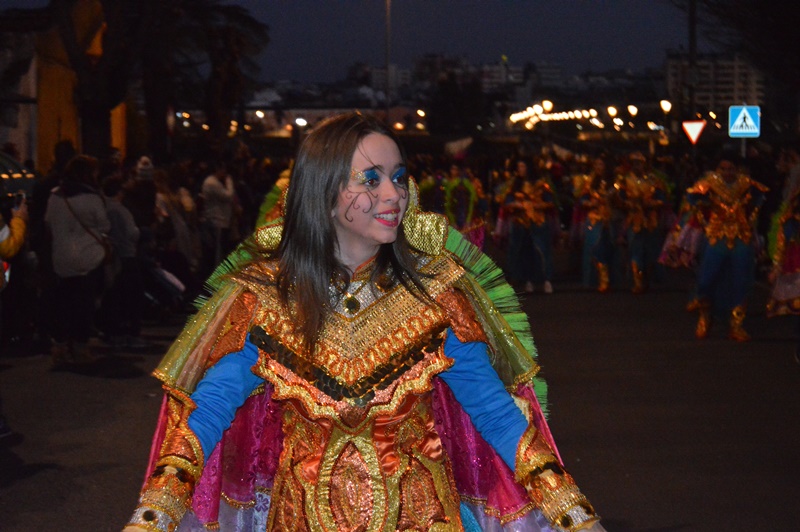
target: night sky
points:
(316, 40)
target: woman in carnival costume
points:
(462, 204)
(351, 372)
(643, 197)
(531, 209)
(784, 249)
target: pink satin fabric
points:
(243, 462)
(478, 470)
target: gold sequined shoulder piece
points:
(713, 182)
(259, 272)
(234, 330)
(443, 272)
(425, 231)
(268, 236)
(352, 347)
(259, 278)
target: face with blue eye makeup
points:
(371, 205)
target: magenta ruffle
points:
(476, 234)
(243, 462)
(480, 474)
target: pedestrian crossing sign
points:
(744, 121)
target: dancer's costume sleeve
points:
(217, 349)
(522, 446)
(493, 410)
(167, 493)
(222, 391)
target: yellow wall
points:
(119, 128)
(57, 113)
(58, 117)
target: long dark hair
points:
(307, 253)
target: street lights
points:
(666, 106)
(612, 111)
(300, 124)
(633, 111)
(547, 106)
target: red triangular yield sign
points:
(693, 128)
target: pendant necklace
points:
(350, 303)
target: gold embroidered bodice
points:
(530, 205)
(360, 448)
(640, 199)
(595, 199)
(727, 211)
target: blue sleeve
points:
(223, 389)
(481, 393)
(759, 197)
(790, 228)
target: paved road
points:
(662, 432)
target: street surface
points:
(661, 431)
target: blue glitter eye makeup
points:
(400, 177)
(371, 177)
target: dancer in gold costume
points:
(643, 199)
(593, 194)
(351, 373)
(725, 205)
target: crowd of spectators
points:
(114, 242)
(170, 226)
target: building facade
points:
(719, 81)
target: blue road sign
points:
(744, 121)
